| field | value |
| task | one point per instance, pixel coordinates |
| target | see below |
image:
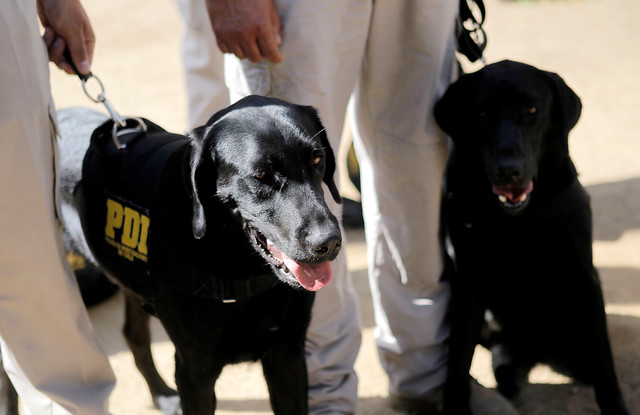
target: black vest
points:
(120, 189)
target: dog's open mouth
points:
(513, 197)
(311, 277)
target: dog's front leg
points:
(196, 377)
(466, 316)
(285, 371)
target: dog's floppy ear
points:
(569, 104)
(451, 108)
(200, 148)
(330, 162)
(330, 167)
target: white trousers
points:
(202, 63)
(409, 62)
(48, 345)
(398, 57)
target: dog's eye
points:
(260, 175)
(317, 159)
(482, 114)
(532, 110)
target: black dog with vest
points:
(223, 236)
(520, 225)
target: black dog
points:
(520, 225)
(235, 230)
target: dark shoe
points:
(484, 401)
(418, 406)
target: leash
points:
(121, 125)
(471, 37)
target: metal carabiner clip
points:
(101, 98)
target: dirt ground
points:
(591, 43)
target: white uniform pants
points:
(202, 63)
(409, 62)
(48, 346)
(400, 54)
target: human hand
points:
(247, 28)
(66, 25)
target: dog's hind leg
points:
(504, 360)
(505, 370)
(510, 369)
(138, 335)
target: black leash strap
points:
(471, 37)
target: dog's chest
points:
(245, 330)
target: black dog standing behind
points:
(520, 225)
(223, 236)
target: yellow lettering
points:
(135, 231)
(144, 232)
(131, 230)
(114, 218)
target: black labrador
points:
(238, 239)
(520, 226)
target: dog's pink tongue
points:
(311, 276)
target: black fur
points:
(520, 225)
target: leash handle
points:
(101, 98)
(471, 37)
(69, 59)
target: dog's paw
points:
(169, 405)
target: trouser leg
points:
(203, 64)
(48, 340)
(48, 346)
(322, 46)
(409, 62)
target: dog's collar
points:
(572, 198)
(204, 285)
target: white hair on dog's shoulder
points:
(75, 126)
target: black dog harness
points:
(119, 185)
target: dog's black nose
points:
(509, 171)
(328, 246)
